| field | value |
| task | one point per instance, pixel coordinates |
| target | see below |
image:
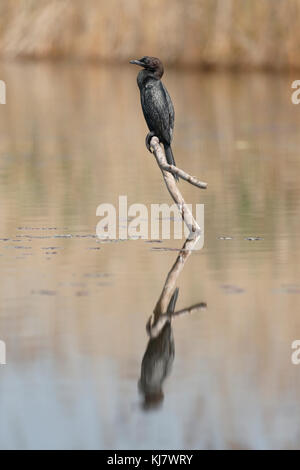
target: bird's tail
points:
(170, 158)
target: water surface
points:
(73, 311)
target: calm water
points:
(73, 311)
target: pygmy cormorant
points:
(156, 104)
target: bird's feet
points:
(148, 139)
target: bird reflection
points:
(160, 352)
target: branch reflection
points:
(160, 352)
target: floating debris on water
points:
(43, 292)
(23, 247)
(51, 248)
(110, 240)
(81, 293)
(30, 237)
(159, 248)
(232, 289)
(69, 235)
(37, 228)
(85, 236)
(288, 289)
(252, 239)
(96, 275)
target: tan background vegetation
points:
(208, 33)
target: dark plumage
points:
(158, 359)
(156, 103)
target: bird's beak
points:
(137, 62)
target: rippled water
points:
(73, 311)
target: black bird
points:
(158, 360)
(156, 104)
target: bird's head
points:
(151, 64)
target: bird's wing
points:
(156, 111)
(170, 108)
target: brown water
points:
(73, 310)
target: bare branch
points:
(190, 310)
(160, 315)
(164, 165)
(176, 195)
(157, 326)
(170, 283)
